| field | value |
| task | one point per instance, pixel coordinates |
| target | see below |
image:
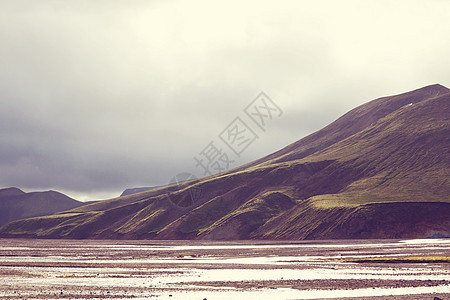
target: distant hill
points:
(132, 191)
(16, 204)
(379, 171)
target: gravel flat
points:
(99, 269)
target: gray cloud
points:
(99, 96)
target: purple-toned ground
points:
(94, 269)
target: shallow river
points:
(77, 269)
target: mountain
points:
(16, 204)
(379, 171)
(131, 191)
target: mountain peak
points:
(352, 122)
(437, 86)
(12, 191)
(436, 89)
(16, 204)
(377, 172)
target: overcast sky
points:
(99, 96)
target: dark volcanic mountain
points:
(16, 204)
(379, 171)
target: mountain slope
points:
(379, 171)
(16, 204)
(352, 122)
(131, 191)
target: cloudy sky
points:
(98, 96)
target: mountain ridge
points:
(363, 120)
(355, 178)
(136, 190)
(15, 204)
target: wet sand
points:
(89, 269)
